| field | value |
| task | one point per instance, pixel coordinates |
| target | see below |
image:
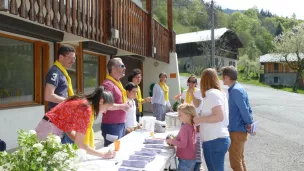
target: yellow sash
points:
(165, 89)
(189, 97)
(65, 73)
(89, 137)
(119, 85)
(139, 99)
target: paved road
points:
(279, 144)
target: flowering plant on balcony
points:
(33, 154)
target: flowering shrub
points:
(33, 155)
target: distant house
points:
(194, 49)
(276, 70)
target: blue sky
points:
(280, 8)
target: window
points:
(276, 66)
(276, 79)
(16, 71)
(73, 75)
(90, 73)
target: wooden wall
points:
(282, 68)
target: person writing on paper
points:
(135, 78)
(113, 121)
(185, 142)
(73, 116)
(58, 82)
(240, 118)
(131, 123)
(213, 121)
(160, 98)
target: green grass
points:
(288, 89)
(185, 74)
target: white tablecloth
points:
(128, 144)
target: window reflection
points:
(90, 73)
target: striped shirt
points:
(199, 149)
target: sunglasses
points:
(122, 66)
(189, 81)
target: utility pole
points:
(212, 36)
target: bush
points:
(34, 155)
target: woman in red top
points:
(73, 116)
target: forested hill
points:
(255, 27)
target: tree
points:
(292, 43)
(280, 30)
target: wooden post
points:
(79, 70)
(4, 5)
(170, 25)
(150, 30)
(107, 18)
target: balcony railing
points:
(120, 23)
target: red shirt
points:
(71, 115)
(115, 116)
(186, 142)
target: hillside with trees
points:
(256, 28)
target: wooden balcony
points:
(119, 23)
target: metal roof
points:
(274, 57)
(199, 36)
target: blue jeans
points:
(110, 130)
(66, 139)
(185, 165)
(214, 153)
(197, 166)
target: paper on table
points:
(254, 128)
(145, 153)
(145, 158)
(159, 146)
(153, 141)
(134, 163)
(126, 169)
(151, 149)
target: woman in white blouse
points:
(213, 121)
(160, 98)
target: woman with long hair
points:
(73, 117)
(213, 121)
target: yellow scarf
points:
(65, 73)
(119, 85)
(189, 97)
(165, 89)
(89, 136)
(139, 99)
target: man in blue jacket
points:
(240, 118)
(2, 145)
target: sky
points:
(280, 8)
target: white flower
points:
(39, 159)
(43, 153)
(38, 146)
(55, 169)
(44, 169)
(32, 132)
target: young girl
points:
(186, 139)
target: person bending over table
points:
(73, 116)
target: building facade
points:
(194, 49)
(31, 32)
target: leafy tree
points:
(280, 30)
(292, 42)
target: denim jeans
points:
(111, 132)
(66, 139)
(197, 166)
(185, 165)
(214, 153)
